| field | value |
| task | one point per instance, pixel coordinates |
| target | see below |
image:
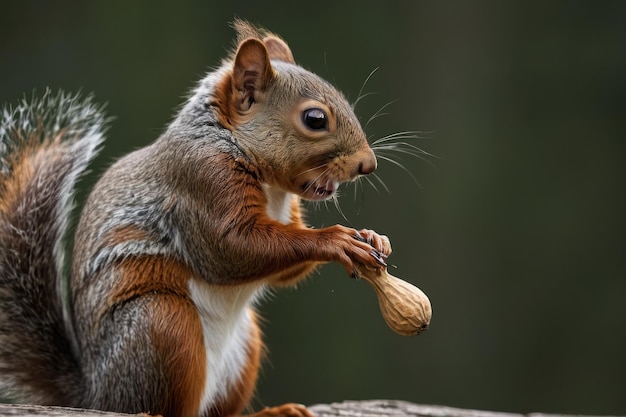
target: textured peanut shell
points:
(405, 308)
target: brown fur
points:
(227, 116)
(176, 328)
(124, 234)
(150, 274)
(252, 238)
(177, 337)
(28, 158)
(13, 187)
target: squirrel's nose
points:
(368, 164)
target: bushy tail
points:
(45, 146)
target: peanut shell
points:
(405, 308)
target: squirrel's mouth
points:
(321, 189)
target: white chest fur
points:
(226, 325)
(278, 203)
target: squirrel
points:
(176, 241)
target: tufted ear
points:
(278, 49)
(252, 72)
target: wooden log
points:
(395, 408)
(370, 408)
(22, 410)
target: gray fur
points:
(37, 348)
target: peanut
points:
(405, 308)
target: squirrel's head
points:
(302, 132)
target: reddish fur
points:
(176, 328)
(272, 251)
(24, 163)
(226, 112)
(177, 336)
(12, 187)
(254, 209)
(150, 274)
(124, 234)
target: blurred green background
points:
(518, 235)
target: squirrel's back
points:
(45, 146)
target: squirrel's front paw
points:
(351, 247)
(285, 410)
(379, 242)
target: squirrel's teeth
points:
(321, 190)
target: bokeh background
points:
(517, 233)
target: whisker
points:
(396, 143)
(360, 95)
(394, 139)
(372, 183)
(312, 182)
(356, 184)
(338, 207)
(405, 147)
(360, 98)
(393, 161)
(399, 149)
(380, 180)
(311, 169)
(416, 156)
(376, 116)
(408, 149)
(379, 113)
(401, 135)
(389, 155)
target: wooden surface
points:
(393, 408)
(40, 411)
(373, 408)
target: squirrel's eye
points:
(315, 119)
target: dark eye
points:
(315, 119)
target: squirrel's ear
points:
(278, 49)
(252, 71)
